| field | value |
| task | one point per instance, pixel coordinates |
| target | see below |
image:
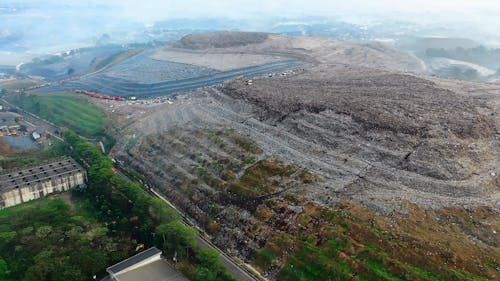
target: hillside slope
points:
(342, 168)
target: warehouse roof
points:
(117, 268)
(40, 173)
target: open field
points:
(11, 158)
(65, 109)
(15, 83)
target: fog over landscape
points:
(237, 140)
(36, 27)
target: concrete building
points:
(38, 181)
(145, 266)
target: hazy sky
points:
(150, 10)
(28, 23)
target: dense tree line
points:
(125, 207)
(46, 240)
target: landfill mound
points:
(220, 39)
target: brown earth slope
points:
(378, 175)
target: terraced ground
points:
(348, 169)
(142, 69)
(117, 86)
(257, 209)
(398, 172)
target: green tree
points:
(209, 258)
(4, 269)
(204, 274)
(175, 236)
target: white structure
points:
(36, 136)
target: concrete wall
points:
(40, 189)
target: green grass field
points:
(65, 109)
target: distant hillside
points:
(422, 44)
(222, 39)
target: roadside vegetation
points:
(126, 208)
(74, 236)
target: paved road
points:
(238, 271)
(41, 125)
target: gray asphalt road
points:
(239, 272)
(41, 125)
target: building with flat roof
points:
(145, 266)
(35, 182)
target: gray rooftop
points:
(133, 260)
(40, 173)
(158, 270)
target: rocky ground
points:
(405, 152)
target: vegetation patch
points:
(262, 178)
(64, 109)
(126, 208)
(350, 242)
(46, 239)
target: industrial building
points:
(30, 183)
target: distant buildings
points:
(35, 182)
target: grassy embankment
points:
(70, 111)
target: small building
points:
(35, 182)
(145, 266)
(36, 136)
(1, 107)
